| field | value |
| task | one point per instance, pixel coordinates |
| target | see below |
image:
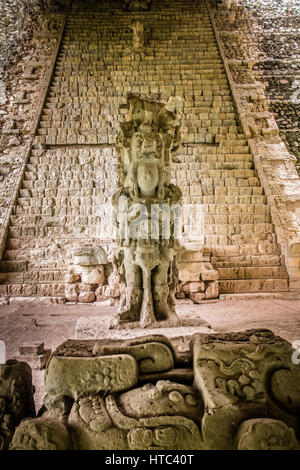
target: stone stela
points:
(147, 266)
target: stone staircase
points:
(73, 172)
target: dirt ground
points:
(53, 324)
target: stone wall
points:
(271, 39)
(241, 47)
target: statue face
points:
(147, 177)
(162, 437)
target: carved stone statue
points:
(139, 31)
(148, 243)
(137, 5)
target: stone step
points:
(194, 174)
(31, 290)
(213, 240)
(216, 235)
(38, 206)
(56, 166)
(207, 196)
(13, 266)
(27, 277)
(43, 275)
(29, 243)
(260, 248)
(225, 286)
(183, 161)
(88, 173)
(255, 285)
(56, 184)
(23, 253)
(81, 232)
(257, 272)
(247, 261)
(77, 183)
(195, 189)
(211, 221)
(63, 192)
(216, 155)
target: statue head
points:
(150, 133)
(41, 434)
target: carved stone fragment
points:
(241, 377)
(41, 434)
(265, 434)
(86, 273)
(16, 398)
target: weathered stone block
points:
(210, 275)
(16, 398)
(72, 376)
(196, 286)
(29, 349)
(95, 276)
(71, 292)
(197, 297)
(212, 290)
(239, 374)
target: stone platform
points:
(98, 327)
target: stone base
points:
(98, 327)
(172, 322)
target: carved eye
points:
(175, 397)
(190, 400)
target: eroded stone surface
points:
(265, 434)
(245, 395)
(16, 398)
(240, 377)
(41, 434)
(86, 273)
